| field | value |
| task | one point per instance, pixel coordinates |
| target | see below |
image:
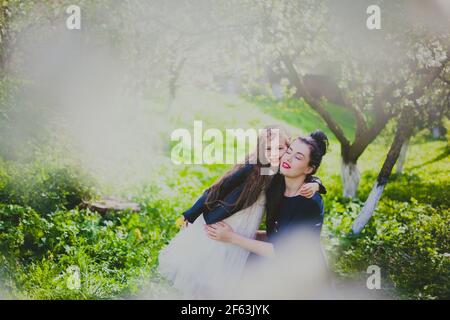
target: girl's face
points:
(279, 141)
(295, 161)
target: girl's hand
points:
(182, 222)
(308, 189)
(220, 231)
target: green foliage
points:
(410, 242)
(44, 186)
(22, 232)
(8, 88)
(112, 252)
(409, 187)
(116, 253)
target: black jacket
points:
(295, 213)
(229, 193)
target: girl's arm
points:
(225, 208)
(229, 196)
(221, 231)
(235, 179)
(314, 179)
(197, 209)
(312, 185)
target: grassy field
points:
(117, 253)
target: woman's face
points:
(280, 142)
(295, 161)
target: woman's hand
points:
(308, 189)
(220, 231)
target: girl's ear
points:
(309, 170)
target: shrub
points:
(407, 186)
(45, 187)
(22, 232)
(410, 242)
(115, 253)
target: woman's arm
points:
(261, 248)
(221, 231)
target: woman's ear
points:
(309, 170)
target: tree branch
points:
(314, 103)
(361, 124)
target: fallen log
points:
(108, 204)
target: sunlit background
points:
(88, 113)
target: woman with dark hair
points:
(287, 211)
(202, 268)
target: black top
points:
(297, 213)
(295, 233)
(229, 193)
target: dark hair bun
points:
(321, 139)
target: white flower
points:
(422, 101)
(409, 89)
(441, 55)
(120, 234)
(408, 103)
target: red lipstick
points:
(286, 165)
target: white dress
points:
(202, 268)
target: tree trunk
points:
(369, 207)
(365, 134)
(274, 79)
(350, 178)
(5, 37)
(277, 91)
(402, 156)
(111, 204)
(404, 132)
(174, 76)
(436, 132)
(172, 93)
